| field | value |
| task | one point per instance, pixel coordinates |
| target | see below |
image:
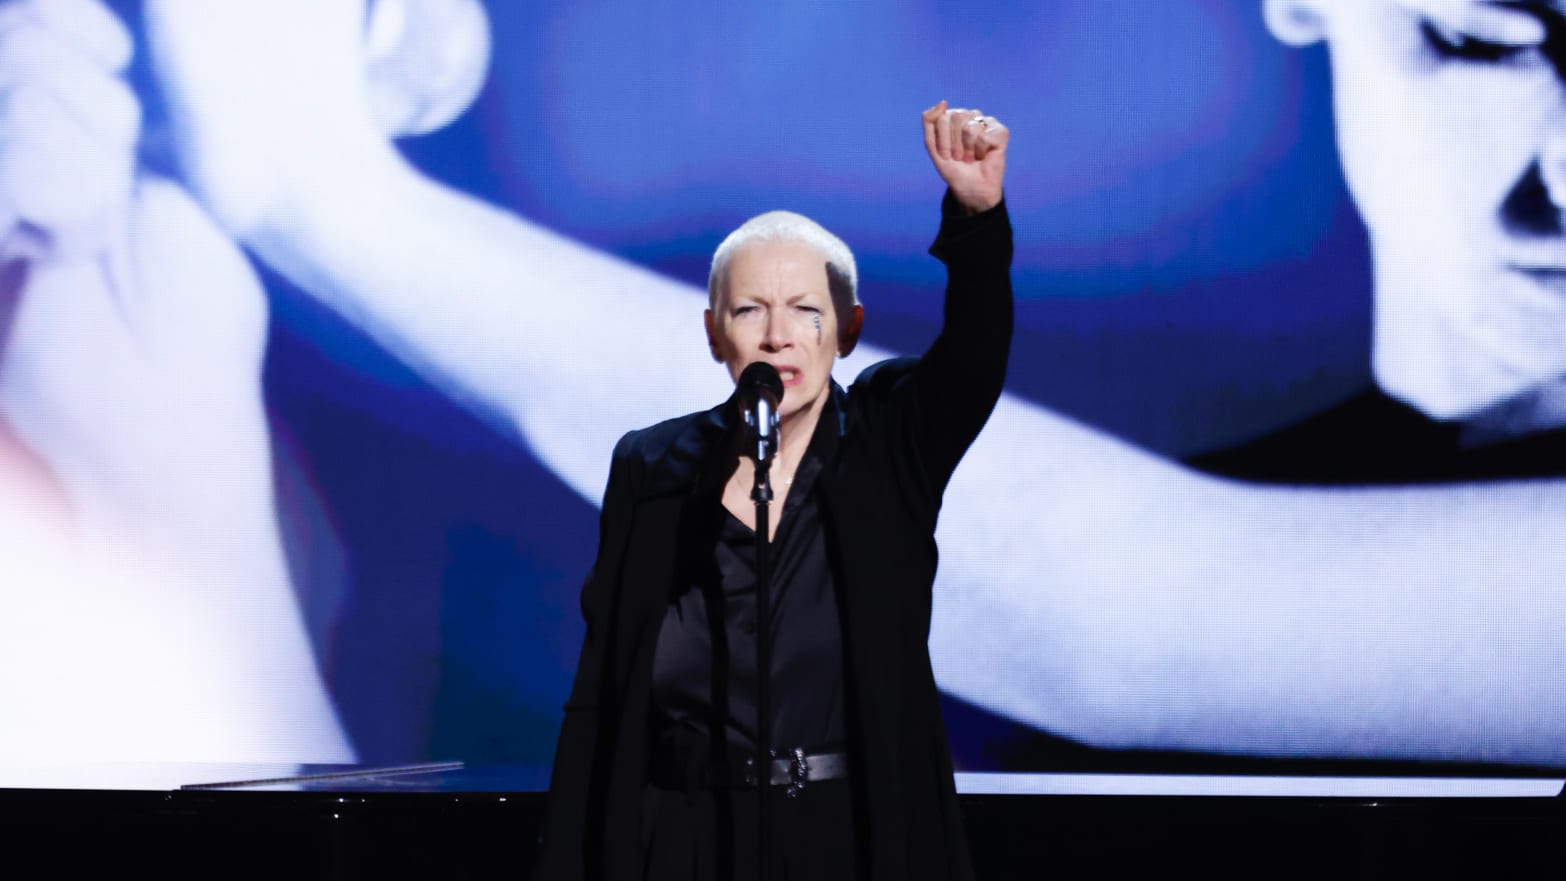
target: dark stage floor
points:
(450, 821)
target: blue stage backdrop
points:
(1275, 483)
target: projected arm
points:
(557, 343)
(1143, 605)
(131, 335)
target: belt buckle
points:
(798, 772)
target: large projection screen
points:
(320, 318)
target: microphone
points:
(760, 391)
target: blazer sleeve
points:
(953, 388)
(564, 838)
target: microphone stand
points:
(761, 390)
(766, 430)
(762, 496)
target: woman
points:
(647, 778)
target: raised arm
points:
(958, 380)
(532, 330)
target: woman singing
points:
(650, 775)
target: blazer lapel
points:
(686, 479)
(870, 637)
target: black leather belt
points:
(798, 768)
(794, 769)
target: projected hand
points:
(130, 353)
(969, 150)
(68, 127)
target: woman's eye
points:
(1449, 44)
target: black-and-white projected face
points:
(1451, 122)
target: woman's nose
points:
(1552, 159)
(776, 336)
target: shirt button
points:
(750, 628)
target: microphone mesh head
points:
(761, 378)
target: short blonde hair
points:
(786, 226)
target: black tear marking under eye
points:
(817, 317)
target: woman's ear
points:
(426, 61)
(712, 336)
(1296, 22)
(848, 331)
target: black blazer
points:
(901, 429)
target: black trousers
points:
(710, 834)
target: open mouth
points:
(790, 376)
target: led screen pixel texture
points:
(319, 320)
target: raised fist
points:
(969, 150)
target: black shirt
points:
(704, 667)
